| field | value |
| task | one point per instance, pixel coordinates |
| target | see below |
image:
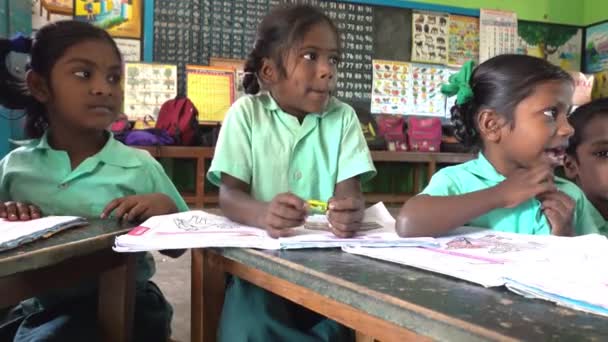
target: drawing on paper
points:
(494, 243)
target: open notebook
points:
(198, 229)
(14, 234)
(569, 271)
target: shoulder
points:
(26, 152)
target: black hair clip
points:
(21, 44)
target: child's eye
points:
(551, 112)
(335, 60)
(82, 74)
(114, 79)
(601, 154)
(311, 56)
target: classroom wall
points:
(554, 11)
(594, 11)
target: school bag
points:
(179, 117)
(369, 126)
(148, 137)
(391, 127)
(424, 134)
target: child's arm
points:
(426, 215)
(19, 211)
(346, 208)
(283, 212)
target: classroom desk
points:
(383, 300)
(69, 257)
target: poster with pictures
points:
(211, 89)
(121, 18)
(409, 88)
(47, 11)
(497, 33)
(430, 34)
(463, 41)
(147, 87)
(596, 48)
(558, 44)
(130, 49)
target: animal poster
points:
(463, 40)
(596, 48)
(47, 11)
(147, 86)
(429, 43)
(211, 89)
(409, 88)
(497, 33)
(558, 44)
(121, 18)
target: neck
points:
(78, 144)
(291, 111)
(498, 160)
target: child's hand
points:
(345, 215)
(140, 207)
(524, 184)
(18, 211)
(284, 211)
(559, 210)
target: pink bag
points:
(391, 128)
(424, 134)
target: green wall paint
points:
(554, 11)
(594, 11)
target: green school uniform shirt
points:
(271, 151)
(38, 174)
(595, 215)
(526, 218)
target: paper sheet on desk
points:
(17, 233)
(198, 229)
(487, 257)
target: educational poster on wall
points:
(409, 88)
(121, 18)
(429, 43)
(47, 11)
(147, 87)
(596, 48)
(497, 33)
(237, 65)
(463, 40)
(129, 48)
(559, 44)
(600, 88)
(211, 89)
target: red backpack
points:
(179, 118)
(424, 134)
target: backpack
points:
(148, 137)
(424, 134)
(179, 118)
(391, 127)
(369, 126)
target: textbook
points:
(566, 270)
(199, 229)
(17, 233)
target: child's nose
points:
(101, 87)
(564, 128)
(327, 70)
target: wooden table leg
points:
(200, 182)
(116, 301)
(208, 285)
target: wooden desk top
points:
(98, 235)
(426, 303)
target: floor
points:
(173, 277)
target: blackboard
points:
(192, 31)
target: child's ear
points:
(570, 167)
(490, 125)
(37, 86)
(269, 71)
